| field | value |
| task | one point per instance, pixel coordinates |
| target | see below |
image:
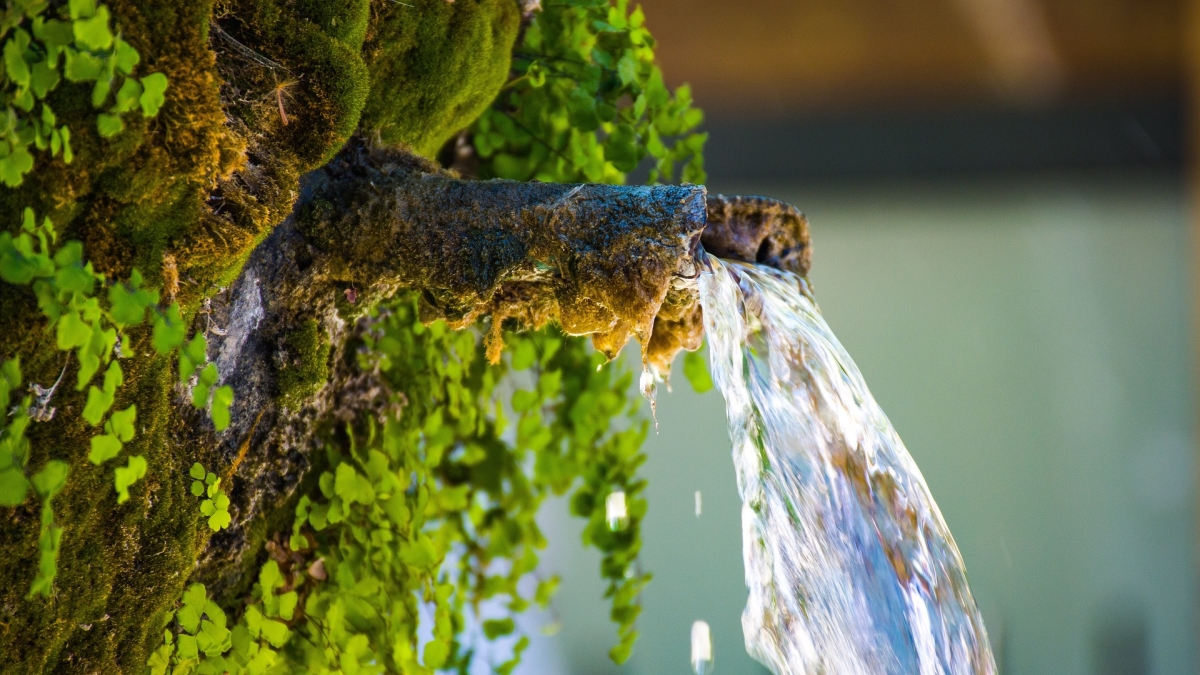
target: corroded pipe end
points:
(758, 230)
(749, 229)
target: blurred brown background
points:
(774, 58)
(851, 88)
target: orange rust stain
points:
(245, 446)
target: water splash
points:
(850, 566)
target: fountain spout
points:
(609, 261)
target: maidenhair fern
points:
(41, 48)
(588, 103)
(90, 325)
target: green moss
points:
(121, 567)
(204, 181)
(295, 82)
(435, 67)
(304, 368)
(127, 198)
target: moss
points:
(204, 181)
(435, 67)
(304, 367)
(121, 567)
(128, 197)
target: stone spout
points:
(609, 261)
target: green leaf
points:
(219, 520)
(419, 553)
(160, 660)
(352, 486)
(212, 639)
(100, 400)
(122, 423)
(98, 403)
(524, 355)
(82, 66)
(11, 371)
(49, 542)
(189, 619)
(100, 92)
(50, 479)
(72, 331)
(126, 476)
(621, 148)
(197, 471)
(524, 400)
(104, 447)
(55, 35)
(109, 125)
(185, 648)
(696, 371)
(13, 486)
(222, 400)
(275, 633)
(126, 57)
(128, 303)
(436, 652)
(43, 79)
(494, 628)
(128, 95)
(12, 171)
(627, 69)
(14, 58)
(169, 330)
(581, 107)
(269, 578)
(82, 9)
(94, 33)
(75, 278)
(287, 605)
(196, 596)
(154, 88)
(621, 653)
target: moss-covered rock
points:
(435, 67)
(260, 93)
(303, 366)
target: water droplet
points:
(615, 512)
(702, 651)
(649, 390)
(697, 503)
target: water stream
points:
(850, 566)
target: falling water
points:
(850, 566)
